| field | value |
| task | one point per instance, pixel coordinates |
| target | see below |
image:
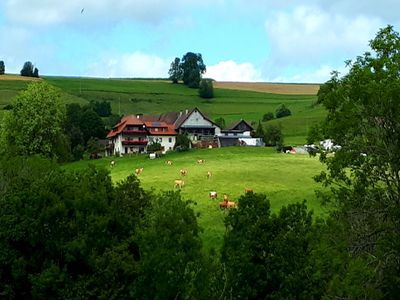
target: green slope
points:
(158, 96)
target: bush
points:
(268, 116)
(282, 111)
(220, 122)
(273, 136)
(206, 89)
(182, 143)
(153, 147)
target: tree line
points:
(28, 69)
(76, 235)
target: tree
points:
(36, 73)
(273, 136)
(268, 116)
(265, 255)
(66, 235)
(282, 111)
(2, 67)
(34, 125)
(363, 117)
(175, 71)
(193, 67)
(27, 69)
(206, 89)
(170, 249)
(182, 142)
(91, 125)
(259, 131)
(220, 122)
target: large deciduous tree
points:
(193, 67)
(364, 175)
(28, 69)
(265, 254)
(175, 71)
(35, 123)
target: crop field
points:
(273, 88)
(158, 96)
(284, 178)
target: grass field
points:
(284, 178)
(158, 96)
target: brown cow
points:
(138, 171)
(209, 174)
(248, 190)
(169, 162)
(179, 183)
(226, 203)
(183, 172)
(201, 161)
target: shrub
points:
(268, 116)
(273, 136)
(282, 111)
(153, 147)
(206, 89)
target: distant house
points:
(132, 135)
(238, 134)
(193, 123)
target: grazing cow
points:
(209, 174)
(213, 195)
(138, 171)
(179, 183)
(112, 163)
(201, 161)
(248, 190)
(226, 203)
(183, 172)
(169, 162)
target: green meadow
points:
(284, 178)
(129, 96)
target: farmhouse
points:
(238, 133)
(132, 135)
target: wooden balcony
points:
(135, 142)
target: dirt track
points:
(274, 88)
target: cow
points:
(179, 183)
(213, 195)
(138, 171)
(209, 174)
(201, 161)
(183, 172)
(248, 190)
(112, 164)
(169, 162)
(226, 203)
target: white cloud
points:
(232, 71)
(310, 37)
(136, 64)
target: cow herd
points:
(179, 183)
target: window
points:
(170, 140)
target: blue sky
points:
(240, 40)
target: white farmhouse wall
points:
(196, 119)
(166, 141)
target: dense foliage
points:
(34, 125)
(2, 67)
(192, 68)
(273, 135)
(268, 116)
(206, 89)
(175, 72)
(282, 111)
(29, 70)
(364, 119)
(220, 122)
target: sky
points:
(300, 41)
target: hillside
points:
(158, 96)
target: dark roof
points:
(234, 126)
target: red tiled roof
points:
(170, 129)
(127, 120)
